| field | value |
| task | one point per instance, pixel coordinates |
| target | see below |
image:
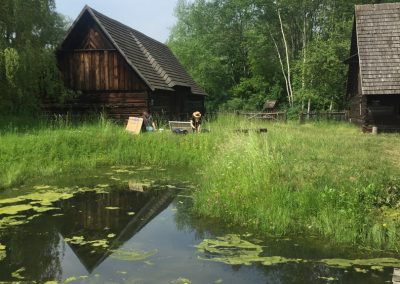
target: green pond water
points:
(118, 225)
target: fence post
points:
(301, 118)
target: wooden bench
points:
(180, 127)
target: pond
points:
(121, 227)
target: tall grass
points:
(59, 147)
(325, 178)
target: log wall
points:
(99, 70)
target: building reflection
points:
(39, 246)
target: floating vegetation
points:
(138, 186)
(80, 240)
(361, 270)
(15, 209)
(8, 221)
(3, 253)
(132, 255)
(131, 213)
(17, 274)
(329, 279)
(233, 250)
(373, 262)
(103, 185)
(110, 236)
(70, 279)
(112, 208)
(181, 280)
(42, 187)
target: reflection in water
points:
(113, 218)
(88, 231)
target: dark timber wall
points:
(122, 72)
(89, 63)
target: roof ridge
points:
(157, 67)
(126, 26)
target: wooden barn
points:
(123, 72)
(373, 86)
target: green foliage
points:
(228, 44)
(30, 33)
(249, 94)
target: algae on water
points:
(17, 274)
(3, 253)
(231, 249)
(132, 255)
(373, 262)
(80, 240)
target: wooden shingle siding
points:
(378, 39)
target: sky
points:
(154, 18)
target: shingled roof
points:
(378, 39)
(152, 60)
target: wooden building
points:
(123, 72)
(373, 86)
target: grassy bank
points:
(47, 148)
(327, 179)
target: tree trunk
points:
(287, 59)
(283, 69)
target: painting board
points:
(134, 124)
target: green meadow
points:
(323, 179)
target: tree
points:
(30, 31)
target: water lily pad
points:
(132, 255)
(131, 213)
(231, 249)
(111, 236)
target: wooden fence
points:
(318, 116)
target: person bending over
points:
(148, 122)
